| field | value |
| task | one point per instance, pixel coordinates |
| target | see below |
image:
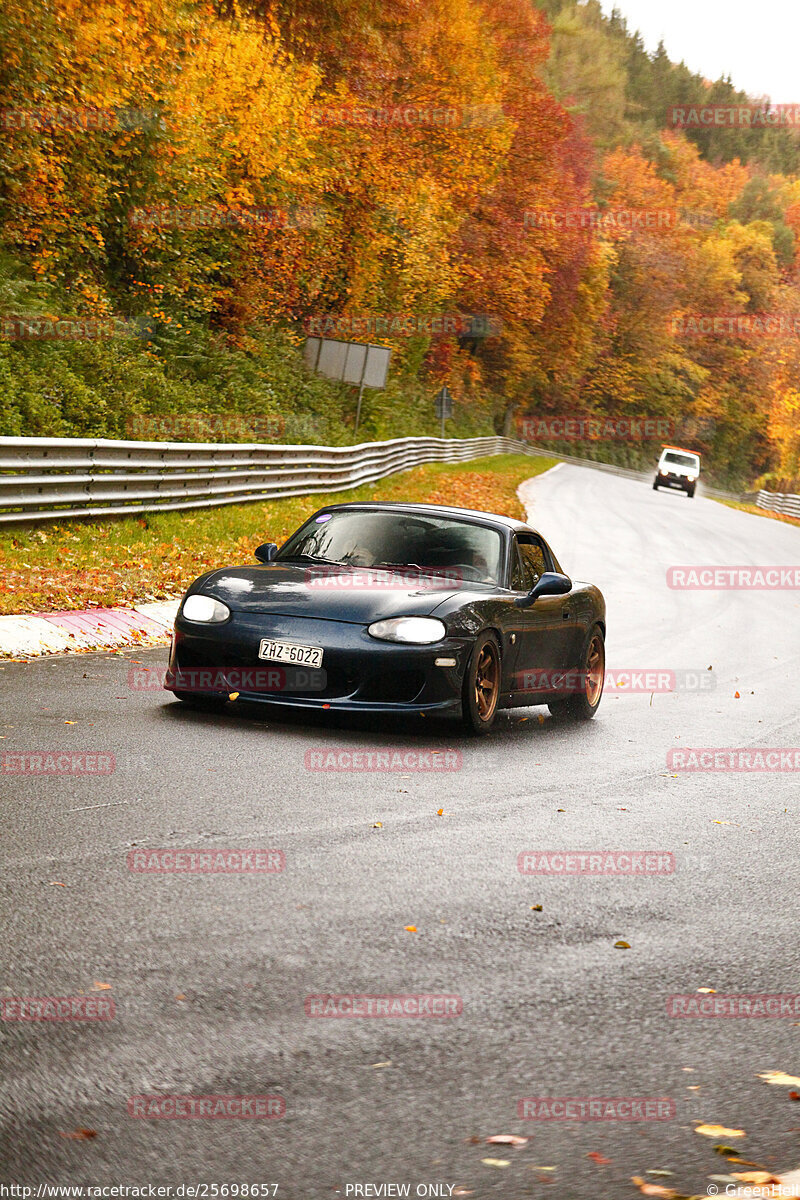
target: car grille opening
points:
(392, 687)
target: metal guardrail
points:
(46, 479)
(50, 479)
(779, 502)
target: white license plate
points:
(290, 652)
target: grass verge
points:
(130, 560)
(761, 512)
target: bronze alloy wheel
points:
(487, 681)
(595, 669)
(482, 686)
(584, 702)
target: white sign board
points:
(351, 362)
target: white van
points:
(677, 468)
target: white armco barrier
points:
(779, 502)
(46, 479)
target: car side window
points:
(530, 563)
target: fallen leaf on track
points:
(598, 1158)
(79, 1135)
(496, 1162)
(756, 1177)
(719, 1131)
(506, 1139)
(780, 1079)
(653, 1189)
(622, 945)
(410, 928)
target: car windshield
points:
(681, 460)
(397, 539)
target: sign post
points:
(359, 363)
(444, 405)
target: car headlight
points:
(663, 472)
(205, 609)
(419, 630)
(691, 478)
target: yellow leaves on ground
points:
(780, 1079)
(719, 1131)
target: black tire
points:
(202, 703)
(690, 493)
(655, 485)
(584, 704)
(480, 692)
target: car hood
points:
(348, 594)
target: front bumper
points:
(676, 481)
(360, 673)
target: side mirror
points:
(549, 584)
(266, 551)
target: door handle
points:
(565, 614)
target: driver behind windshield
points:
(370, 539)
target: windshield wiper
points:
(408, 566)
(308, 558)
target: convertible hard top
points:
(435, 510)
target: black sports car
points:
(395, 608)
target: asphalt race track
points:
(209, 973)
